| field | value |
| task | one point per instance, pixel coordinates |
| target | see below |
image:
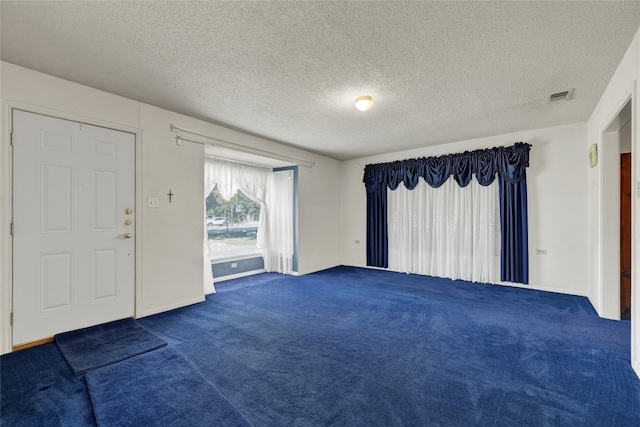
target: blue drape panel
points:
(514, 235)
(509, 163)
(377, 237)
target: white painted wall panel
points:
(56, 198)
(104, 149)
(56, 284)
(104, 273)
(56, 142)
(103, 209)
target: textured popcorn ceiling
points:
(290, 71)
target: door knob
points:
(127, 235)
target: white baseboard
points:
(370, 267)
(543, 289)
(172, 306)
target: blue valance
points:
(508, 162)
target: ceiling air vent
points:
(561, 96)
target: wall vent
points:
(561, 96)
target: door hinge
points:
(11, 229)
(11, 319)
(11, 139)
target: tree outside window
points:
(239, 232)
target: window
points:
(232, 225)
(250, 210)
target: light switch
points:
(154, 202)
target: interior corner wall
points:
(621, 87)
(169, 247)
(557, 190)
(318, 215)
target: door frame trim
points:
(6, 210)
(605, 265)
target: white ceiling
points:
(438, 72)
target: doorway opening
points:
(616, 216)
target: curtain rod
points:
(238, 147)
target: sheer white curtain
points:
(209, 184)
(274, 192)
(231, 177)
(251, 180)
(278, 254)
(448, 231)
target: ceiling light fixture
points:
(364, 102)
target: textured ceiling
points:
(290, 71)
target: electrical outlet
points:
(541, 251)
(154, 202)
(234, 265)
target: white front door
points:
(73, 200)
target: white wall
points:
(169, 259)
(602, 265)
(620, 88)
(319, 216)
(171, 263)
(557, 190)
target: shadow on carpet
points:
(101, 345)
(39, 389)
(158, 388)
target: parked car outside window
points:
(217, 220)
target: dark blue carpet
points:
(102, 345)
(39, 389)
(356, 347)
(159, 388)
